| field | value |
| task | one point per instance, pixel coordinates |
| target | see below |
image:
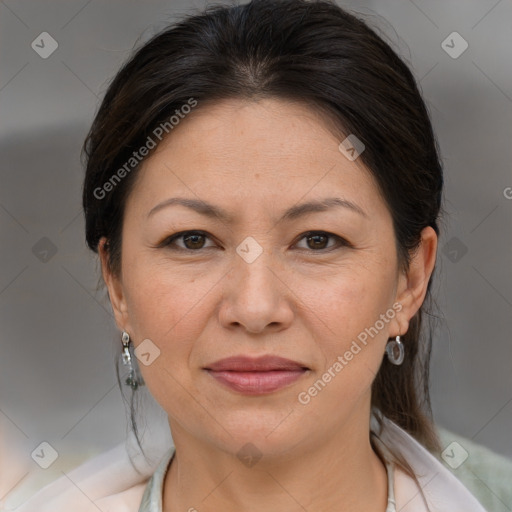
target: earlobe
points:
(114, 287)
(413, 285)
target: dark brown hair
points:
(309, 51)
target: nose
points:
(256, 297)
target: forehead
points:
(271, 150)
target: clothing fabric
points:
(486, 474)
(109, 482)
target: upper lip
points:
(255, 364)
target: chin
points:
(271, 433)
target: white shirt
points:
(109, 483)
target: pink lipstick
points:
(255, 376)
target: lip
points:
(254, 376)
(255, 364)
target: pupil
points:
(316, 237)
(319, 241)
(194, 240)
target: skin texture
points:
(306, 301)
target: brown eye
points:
(318, 241)
(191, 241)
(195, 241)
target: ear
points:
(115, 288)
(412, 285)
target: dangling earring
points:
(395, 351)
(134, 379)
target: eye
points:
(195, 240)
(318, 240)
(192, 241)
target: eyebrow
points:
(210, 210)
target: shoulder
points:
(486, 474)
(107, 482)
(125, 501)
(436, 488)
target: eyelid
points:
(169, 241)
(340, 241)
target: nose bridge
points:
(255, 297)
(255, 265)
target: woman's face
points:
(252, 283)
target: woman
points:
(263, 189)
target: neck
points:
(342, 474)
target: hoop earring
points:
(134, 379)
(395, 351)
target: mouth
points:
(256, 376)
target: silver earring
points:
(134, 379)
(395, 351)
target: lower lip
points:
(256, 383)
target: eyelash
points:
(169, 241)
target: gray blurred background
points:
(58, 338)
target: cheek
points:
(347, 304)
(171, 307)
(161, 299)
(346, 320)
(162, 312)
